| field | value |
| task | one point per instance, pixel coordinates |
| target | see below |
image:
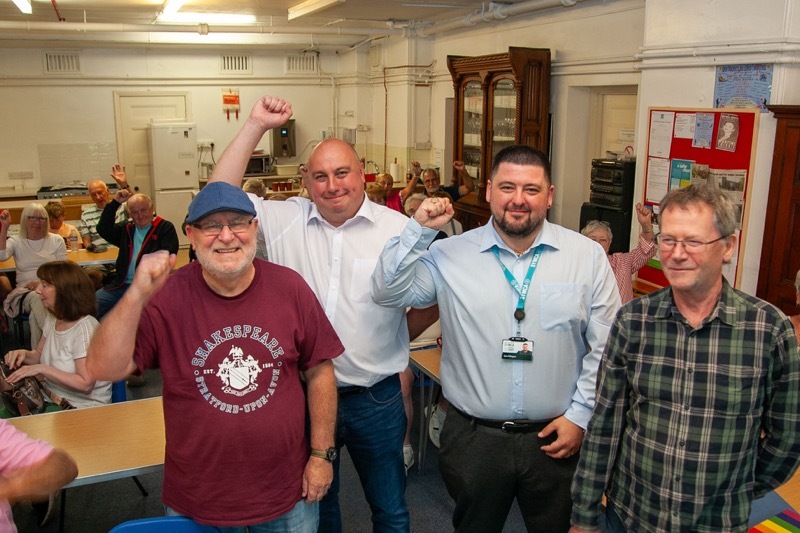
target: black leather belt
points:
(351, 389)
(507, 426)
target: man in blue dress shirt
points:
(518, 421)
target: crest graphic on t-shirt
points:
(239, 374)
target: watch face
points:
(331, 454)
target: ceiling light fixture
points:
(172, 6)
(311, 6)
(24, 6)
(207, 18)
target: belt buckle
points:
(509, 426)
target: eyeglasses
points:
(212, 229)
(36, 219)
(667, 244)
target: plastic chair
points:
(165, 524)
(19, 325)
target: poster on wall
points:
(728, 132)
(743, 86)
(717, 151)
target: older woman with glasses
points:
(33, 247)
(625, 265)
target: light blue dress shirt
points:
(571, 304)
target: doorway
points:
(133, 112)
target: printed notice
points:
(657, 179)
(661, 123)
(684, 126)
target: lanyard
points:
(519, 312)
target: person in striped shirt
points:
(626, 264)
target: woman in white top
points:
(60, 356)
(34, 246)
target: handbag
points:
(27, 396)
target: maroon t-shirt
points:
(234, 406)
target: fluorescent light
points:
(311, 6)
(24, 6)
(172, 6)
(207, 18)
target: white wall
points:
(39, 110)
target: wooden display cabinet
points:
(500, 100)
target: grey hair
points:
(797, 281)
(719, 202)
(594, 225)
(416, 196)
(32, 210)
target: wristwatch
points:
(329, 455)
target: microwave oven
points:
(260, 165)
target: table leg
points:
(423, 423)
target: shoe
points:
(435, 425)
(136, 380)
(408, 456)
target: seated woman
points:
(625, 265)
(60, 356)
(34, 246)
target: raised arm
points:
(462, 177)
(416, 170)
(269, 112)
(645, 217)
(110, 354)
(399, 279)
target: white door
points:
(133, 112)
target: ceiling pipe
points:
(495, 12)
(99, 27)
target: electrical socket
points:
(204, 145)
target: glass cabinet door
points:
(472, 126)
(504, 115)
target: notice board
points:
(712, 146)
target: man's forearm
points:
(39, 480)
(322, 405)
(110, 354)
(233, 162)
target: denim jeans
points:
(372, 423)
(107, 299)
(613, 522)
(303, 518)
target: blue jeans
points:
(371, 422)
(107, 299)
(303, 518)
(613, 522)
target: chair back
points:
(163, 524)
(119, 393)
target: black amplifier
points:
(612, 183)
(611, 201)
(606, 188)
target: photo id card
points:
(518, 349)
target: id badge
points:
(518, 349)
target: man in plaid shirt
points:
(698, 398)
